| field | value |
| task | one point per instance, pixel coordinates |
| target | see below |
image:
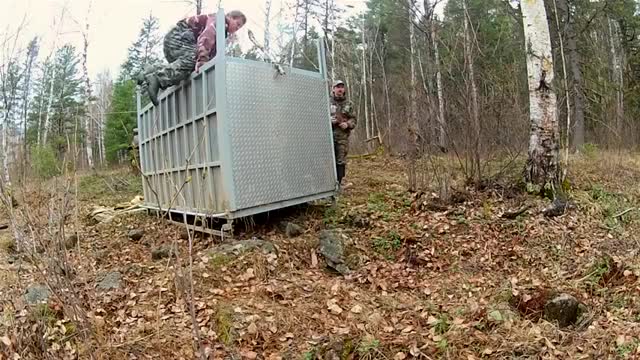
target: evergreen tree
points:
(121, 119)
(145, 51)
(68, 105)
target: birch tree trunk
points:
(364, 81)
(475, 113)
(267, 34)
(45, 126)
(617, 73)
(542, 168)
(413, 114)
(88, 121)
(5, 150)
(441, 120)
(31, 56)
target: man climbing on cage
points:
(187, 46)
(343, 121)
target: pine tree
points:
(145, 51)
(121, 120)
(67, 105)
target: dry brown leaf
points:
(407, 330)
(5, 340)
(356, 309)
(314, 259)
(400, 356)
(334, 308)
(252, 328)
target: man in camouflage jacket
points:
(343, 120)
(188, 46)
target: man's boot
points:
(341, 171)
(153, 88)
(141, 77)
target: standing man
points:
(188, 46)
(343, 121)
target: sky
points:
(115, 24)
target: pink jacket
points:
(204, 27)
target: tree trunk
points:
(45, 126)
(364, 82)
(267, 34)
(542, 168)
(413, 114)
(475, 113)
(88, 120)
(577, 88)
(5, 150)
(617, 75)
(441, 120)
(31, 56)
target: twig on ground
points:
(516, 213)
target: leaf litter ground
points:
(430, 279)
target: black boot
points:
(153, 88)
(341, 172)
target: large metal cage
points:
(238, 138)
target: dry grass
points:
(431, 282)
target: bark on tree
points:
(88, 120)
(441, 119)
(364, 81)
(45, 126)
(542, 168)
(267, 34)
(32, 53)
(617, 74)
(475, 113)
(413, 117)
(576, 81)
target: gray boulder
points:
(110, 281)
(332, 249)
(562, 309)
(36, 294)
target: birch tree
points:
(413, 105)
(542, 168)
(617, 75)
(89, 119)
(475, 113)
(32, 54)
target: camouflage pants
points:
(340, 146)
(180, 51)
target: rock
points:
(71, 241)
(161, 253)
(36, 294)
(136, 235)
(237, 248)
(562, 309)
(292, 230)
(110, 281)
(332, 249)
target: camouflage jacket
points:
(343, 111)
(204, 28)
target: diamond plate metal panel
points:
(279, 132)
